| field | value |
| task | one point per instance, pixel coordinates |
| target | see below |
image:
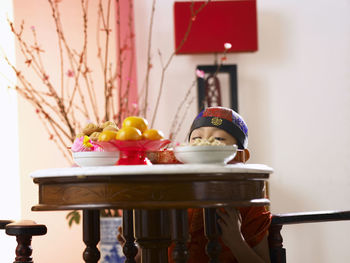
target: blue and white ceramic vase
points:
(110, 248)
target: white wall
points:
(9, 187)
(294, 94)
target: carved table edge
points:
(154, 205)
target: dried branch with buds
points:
(64, 107)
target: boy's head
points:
(222, 123)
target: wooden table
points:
(153, 198)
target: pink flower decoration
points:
(96, 147)
(200, 73)
(82, 144)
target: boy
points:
(244, 230)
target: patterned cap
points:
(225, 119)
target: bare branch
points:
(194, 13)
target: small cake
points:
(90, 128)
(108, 124)
(94, 136)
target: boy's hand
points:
(120, 237)
(230, 224)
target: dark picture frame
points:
(208, 70)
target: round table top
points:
(153, 170)
(151, 187)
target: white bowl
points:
(84, 159)
(206, 154)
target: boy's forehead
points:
(212, 130)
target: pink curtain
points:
(127, 55)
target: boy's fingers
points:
(218, 211)
(222, 224)
(231, 211)
(120, 239)
(239, 216)
(223, 216)
(234, 214)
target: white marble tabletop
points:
(152, 169)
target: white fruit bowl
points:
(205, 154)
(84, 159)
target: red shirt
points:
(255, 224)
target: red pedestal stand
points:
(133, 152)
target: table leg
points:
(179, 234)
(152, 233)
(91, 235)
(277, 251)
(129, 248)
(211, 230)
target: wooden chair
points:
(24, 231)
(277, 251)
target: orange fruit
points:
(152, 134)
(136, 122)
(129, 133)
(107, 135)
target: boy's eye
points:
(195, 138)
(220, 138)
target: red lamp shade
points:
(219, 22)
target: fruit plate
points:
(84, 159)
(205, 154)
(133, 152)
